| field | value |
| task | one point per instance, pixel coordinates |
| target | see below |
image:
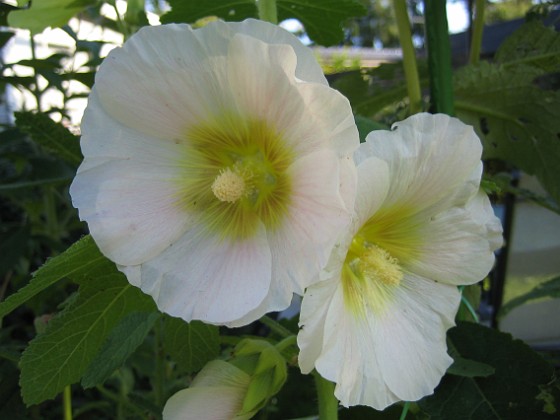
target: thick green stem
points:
(409, 56)
(268, 11)
(328, 404)
(478, 27)
(67, 402)
(439, 56)
(404, 411)
(276, 327)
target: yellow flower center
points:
(369, 277)
(235, 175)
(378, 265)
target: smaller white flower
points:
(217, 393)
(376, 325)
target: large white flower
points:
(376, 323)
(217, 169)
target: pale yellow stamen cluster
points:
(229, 186)
(378, 264)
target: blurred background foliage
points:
(512, 99)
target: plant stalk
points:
(268, 11)
(328, 404)
(439, 57)
(409, 56)
(478, 28)
(67, 402)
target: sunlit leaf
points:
(46, 13)
(515, 105)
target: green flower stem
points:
(276, 327)
(409, 56)
(67, 402)
(268, 11)
(404, 411)
(439, 57)
(328, 404)
(286, 342)
(478, 27)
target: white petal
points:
(307, 67)
(221, 373)
(456, 248)
(317, 215)
(211, 403)
(398, 354)
(373, 187)
(203, 277)
(429, 158)
(481, 212)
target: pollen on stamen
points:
(379, 264)
(229, 186)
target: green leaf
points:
(191, 10)
(367, 125)
(370, 91)
(61, 355)
(123, 340)
(81, 258)
(515, 104)
(322, 19)
(469, 368)
(470, 294)
(548, 289)
(533, 43)
(191, 345)
(511, 393)
(53, 136)
(45, 13)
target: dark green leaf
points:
(61, 355)
(123, 340)
(11, 406)
(322, 19)
(53, 136)
(191, 345)
(191, 10)
(548, 289)
(367, 125)
(511, 393)
(81, 258)
(13, 244)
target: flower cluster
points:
(222, 175)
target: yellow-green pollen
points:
(235, 175)
(369, 277)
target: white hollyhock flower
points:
(217, 170)
(376, 325)
(217, 393)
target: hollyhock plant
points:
(376, 322)
(217, 170)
